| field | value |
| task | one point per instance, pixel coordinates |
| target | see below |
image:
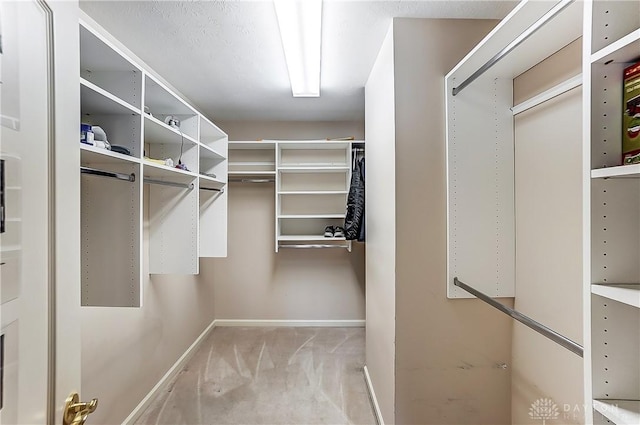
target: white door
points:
(28, 358)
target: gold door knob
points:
(76, 412)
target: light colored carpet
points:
(270, 376)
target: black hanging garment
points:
(354, 219)
(361, 236)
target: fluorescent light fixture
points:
(300, 24)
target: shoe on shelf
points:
(338, 232)
(328, 232)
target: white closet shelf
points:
(93, 155)
(325, 169)
(209, 132)
(251, 173)
(628, 171)
(95, 100)
(312, 144)
(308, 238)
(162, 101)
(620, 412)
(324, 216)
(314, 192)
(157, 132)
(625, 293)
(247, 145)
(157, 171)
(96, 54)
(624, 50)
(251, 163)
(208, 153)
(210, 182)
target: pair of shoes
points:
(333, 232)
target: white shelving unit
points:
(312, 182)
(186, 208)
(480, 143)
(612, 216)
(252, 161)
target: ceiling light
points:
(300, 24)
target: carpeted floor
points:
(270, 376)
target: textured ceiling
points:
(227, 58)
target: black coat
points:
(354, 219)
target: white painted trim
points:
(171, 373)
(372, 395)
(292, 323)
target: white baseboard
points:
(372, 394)
(291, 323)
(171, 373)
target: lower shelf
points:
(627, 294)
(308, 238)
(620, 412)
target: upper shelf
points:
(162, 101)
(625, 50)
(322, 169)
(97, 55)
(94, 100)
(155, 131)
(626, 294)
(556, 33)
(210, 134)
(247, 145)
(312, 144)
(209, 153)
(628, 171)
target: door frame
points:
(64, 199)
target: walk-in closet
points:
(320, 212)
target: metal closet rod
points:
(189, 186)
(515, 43)
(120, 176)
(525, 320)
(212, 189)
(252, 180)
(313, 246)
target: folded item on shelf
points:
(120, 149)
(209, 175)
(99, 133)
(168, 162)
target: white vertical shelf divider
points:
(612, 219)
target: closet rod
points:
(173, 184)
(212, 189)
(252, 180)
(313, 246)
(515, 43)
(120, 176)
(525, 320)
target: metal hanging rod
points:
(525, 320)
(313, 246)
(189, 186)
(120, 176)
(252, 180)
(515, 43)
(212, 189)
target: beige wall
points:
(548, 140)
(287, 130)
(381, 229)
(448, 352)
(256, 283)
(126, 351)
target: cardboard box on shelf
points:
(631, 115)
